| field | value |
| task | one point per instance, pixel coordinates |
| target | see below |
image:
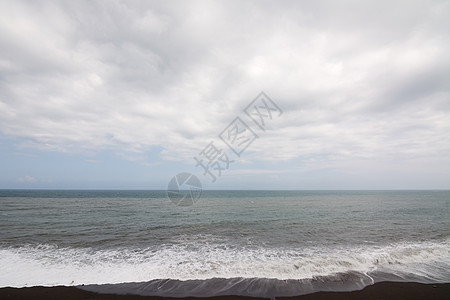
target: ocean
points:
(250, 243)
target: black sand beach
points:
(382, 290)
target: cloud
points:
(26, 179)
(356, 80)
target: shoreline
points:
(380, 290)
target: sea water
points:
(254, 243)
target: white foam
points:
(49, 265)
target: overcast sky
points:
(124, 94)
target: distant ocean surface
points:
(253, 243)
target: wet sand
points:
(382, 290)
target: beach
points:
(382, 290)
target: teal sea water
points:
(257, 243)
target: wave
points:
(171, 270)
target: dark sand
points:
(382, 290)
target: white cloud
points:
(27, 179)
(356, 81)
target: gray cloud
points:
(357, 80)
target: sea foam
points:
(49, 265)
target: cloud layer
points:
(358, 82)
